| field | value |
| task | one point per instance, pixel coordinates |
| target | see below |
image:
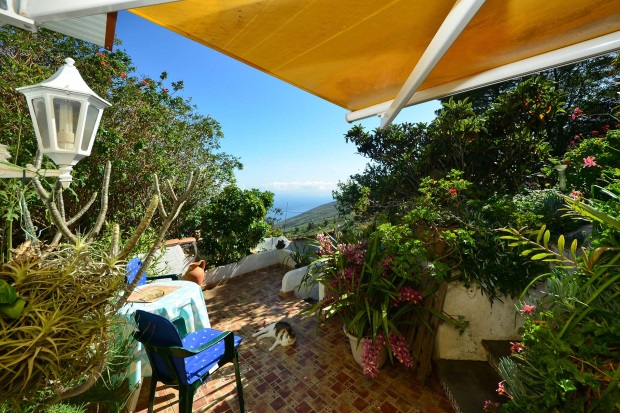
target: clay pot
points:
(196, 272)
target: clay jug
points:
(196, 272)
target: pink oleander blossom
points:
(589, 161)
(577, 113)
(528, 309)
(400, 349)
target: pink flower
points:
(516, 347)
(528, 309)
(123, 75)
(576, 113)
(501, 390)
(589, 161)
(576, 194)
(325, 245)
(594, 132)
(164, 90)
(145, 82)
(566, 163)
(400, 349)
(489, 406)
(370, 354)
(452, 191)
(409, 295)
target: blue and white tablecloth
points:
(186, 302)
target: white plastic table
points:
(186, 302)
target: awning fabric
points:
(357, 54)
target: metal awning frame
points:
(451, 28)
(560, 57)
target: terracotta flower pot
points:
(196, 272)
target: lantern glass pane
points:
(38, 104)
(92, 114)
(66, 113)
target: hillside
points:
(310, 222)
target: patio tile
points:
(316, 375)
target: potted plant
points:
(371, 290)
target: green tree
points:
(149, 129)
(233, 223)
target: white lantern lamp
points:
(65, 113)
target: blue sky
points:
(289, 141)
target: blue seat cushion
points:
(200, 364)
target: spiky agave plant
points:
(62, 336)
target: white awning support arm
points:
(41, 11)
(570, 54)
(451, 28)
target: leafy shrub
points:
(232, 223)
(604, 150)
(569, 360)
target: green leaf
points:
(541, 256)
(561, 245)
(7, 293)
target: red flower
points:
(566, 163)
(576, 113)
(145, 82)
(164, 90)
(123, 75)
(453, 191)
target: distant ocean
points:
(295, 204)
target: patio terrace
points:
(317, 374)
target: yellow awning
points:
(358, 54)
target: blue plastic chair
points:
(186, 362)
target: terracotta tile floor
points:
(318, 374)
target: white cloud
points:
(303, 187)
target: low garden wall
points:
(249, 264)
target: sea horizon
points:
(295, 204)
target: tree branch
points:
(162, 210)
(104, 203)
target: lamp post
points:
(65, 114)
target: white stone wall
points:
(499, 321)
(253, 262)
